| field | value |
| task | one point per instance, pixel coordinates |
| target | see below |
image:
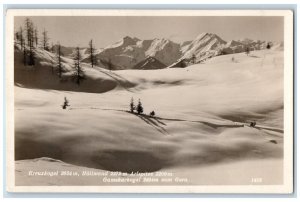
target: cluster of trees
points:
(77, 57)
(28, 38)
(138, 108)
(78, 73)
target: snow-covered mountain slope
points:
(150, 63)
(44, 75)
(202, 117)
(164, 50)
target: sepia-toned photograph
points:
(150, 101)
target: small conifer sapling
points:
(66, 104)
(152, 113)
(132, 106)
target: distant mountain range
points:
(134, 53)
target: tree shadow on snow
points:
(152, 121)
(212, 125)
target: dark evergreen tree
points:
(66, 104)
(28, 27)
(30, 43)
(31, 60)
(59, 62)
(36, 37)
(268, 46)
(92, 55)
(132, 106)
(77, 64)
(45, 40)
(139, 107)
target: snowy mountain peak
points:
(203, 46)
(206, 35)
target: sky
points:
(106, 30)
